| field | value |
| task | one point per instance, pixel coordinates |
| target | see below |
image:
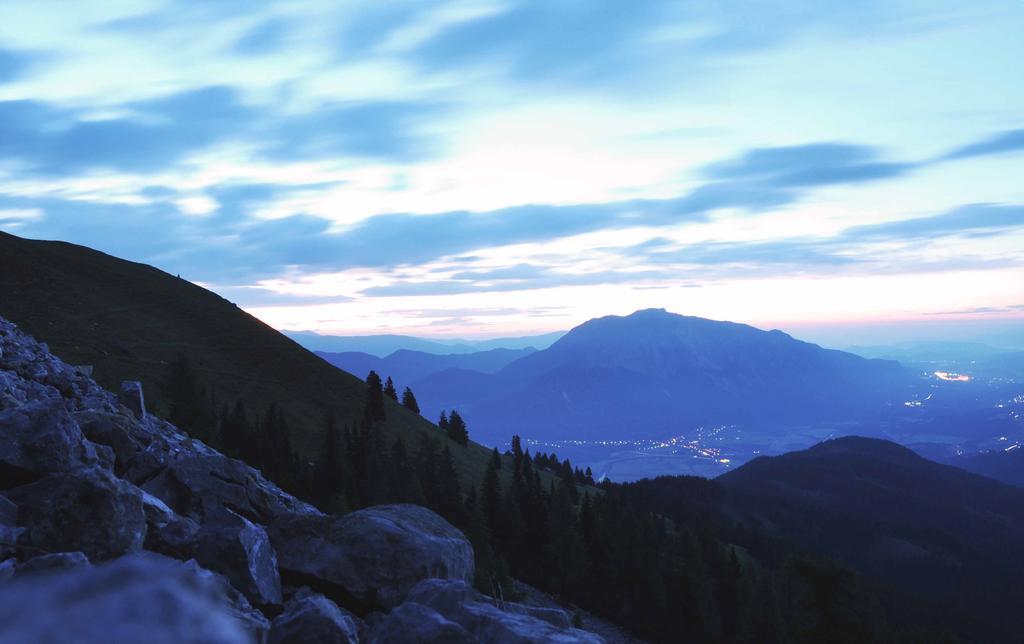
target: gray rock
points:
(9, 530)
(40, 437)
(132, 398)
(167, 532)
(554, 616)
(113, 430)
(376, 555)
(53, 563)
(310, 618)
(7, 569)
(140, 598)
(413, 623)
(514, 623)
(88, 510)
(198, 483)
(239, 607)
(234, 546)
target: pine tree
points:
(490, 493)
(389, 390)
(236, 431)
(457, 429)
(409, 401)
(449, 501)
(189, 408)
(442, 422)
(326, 479)
(373, 410)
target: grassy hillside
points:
(129, 320)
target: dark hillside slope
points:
(130, 320)
(933, 531)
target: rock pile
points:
(117, 527)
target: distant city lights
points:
(952, 377)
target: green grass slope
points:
(129, 320)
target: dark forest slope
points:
(130, 320)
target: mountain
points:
(376, 345)
(129, 321)
(931, 531)
(657, 374)
(384, 345)
(407, 367)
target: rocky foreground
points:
(115, 526)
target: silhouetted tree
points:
(409, 401)
(389, 390)
(457, 429)
(373, 410)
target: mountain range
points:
(659, 374)
(384, 345)
(854, 539)
(410, 367)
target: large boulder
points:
(115, 430)
(510, 624)
(139, 598)
(40, 437)
(413, 623)
(375, 555)
(310, 618)
(167, 532)
(9, 530)
(199, 482)
(240, 550)
(89, 511)
(53, 562)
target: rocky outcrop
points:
(310, 618)
(512, 623)
(53, 562)
(240, 550)
(87, 510)
(89, 483)
(376, 555)
(140, 598)
(413, 623)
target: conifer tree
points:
(373, 410)
(326, 479)
(442, 422)
(409, 401)
(457, 429)
(389, 390)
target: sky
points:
(849, 171)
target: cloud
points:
(965, 219)
(264, 38)
(814, 164)
(543, 278)
(12, 65)
(1008, 141)
(157, 133)
(602, 43)
(546, 40)
(392, 130)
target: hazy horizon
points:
(1002, 334)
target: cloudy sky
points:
(475, 168)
